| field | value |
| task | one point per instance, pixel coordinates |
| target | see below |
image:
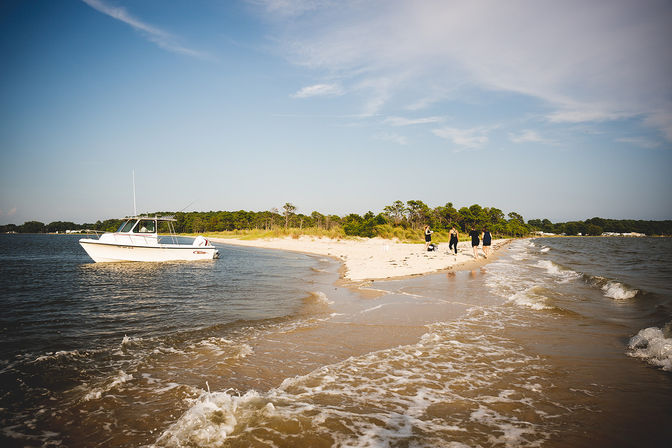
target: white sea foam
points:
(321, 298)
(530, 299)
(208, 422)
(128, 341)
(117, 380)
(654, 346)
(618, 291)
(60, 355)
(560, 273)
(227, 348)
(545, 249)
(377, 307)
(429, 391)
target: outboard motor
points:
(201, 241)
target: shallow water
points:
(559, 342)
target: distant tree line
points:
(595, 226)
(400, 219)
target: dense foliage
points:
(402, 220)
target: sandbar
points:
(366, 259)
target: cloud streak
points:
(401, 121)
(528, 136)
(463, 138)
(155, 35)
(319, 90)
(588, 61)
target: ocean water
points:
(558, 342)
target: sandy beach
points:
(378, 258)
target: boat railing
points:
(97, 233)
(135, 238)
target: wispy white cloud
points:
(391, 137)
(586, 113)
(161, 38)
(473, 138)
(290, 8)
(528, 136)
(661, 119)
(319, 90)
(401, 121)
(642, 142)
(589, 61)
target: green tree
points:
(517, 217)
(318, 219)
(32, 227)
(594, 230)
(288, 211)
(446, 215)
(418, 213)
(395, 212)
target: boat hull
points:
(102, 252)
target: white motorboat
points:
(138, 239)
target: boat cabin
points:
(144, 225)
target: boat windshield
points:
(126, 226)
(145, 226)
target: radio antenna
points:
(188, 205)
(135, 210)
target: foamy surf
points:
(653, 345)
(114, 382)
(561, 273)
(225, 348)
(618, 291)
(461, 381)
(210, 421)
(318, 297)
(532, 298)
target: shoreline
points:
(366, 260)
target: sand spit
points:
(378, 258)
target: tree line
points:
(399, 219)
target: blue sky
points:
(559, 110)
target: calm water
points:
(559, 342)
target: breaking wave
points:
(318, 297)
(561, 273)
(612, 288)
(654, 345)
(461, 380)
(532, 298)
(120, 378)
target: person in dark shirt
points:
(487, 241)
(428, 237)
(454, 238)
(475, 241)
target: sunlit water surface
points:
(559, 342)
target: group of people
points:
(475, 235)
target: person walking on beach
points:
(454, 238)
(475, 241)
(487, 241)
(428, 237)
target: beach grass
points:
(402, 235)
(280, 232)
